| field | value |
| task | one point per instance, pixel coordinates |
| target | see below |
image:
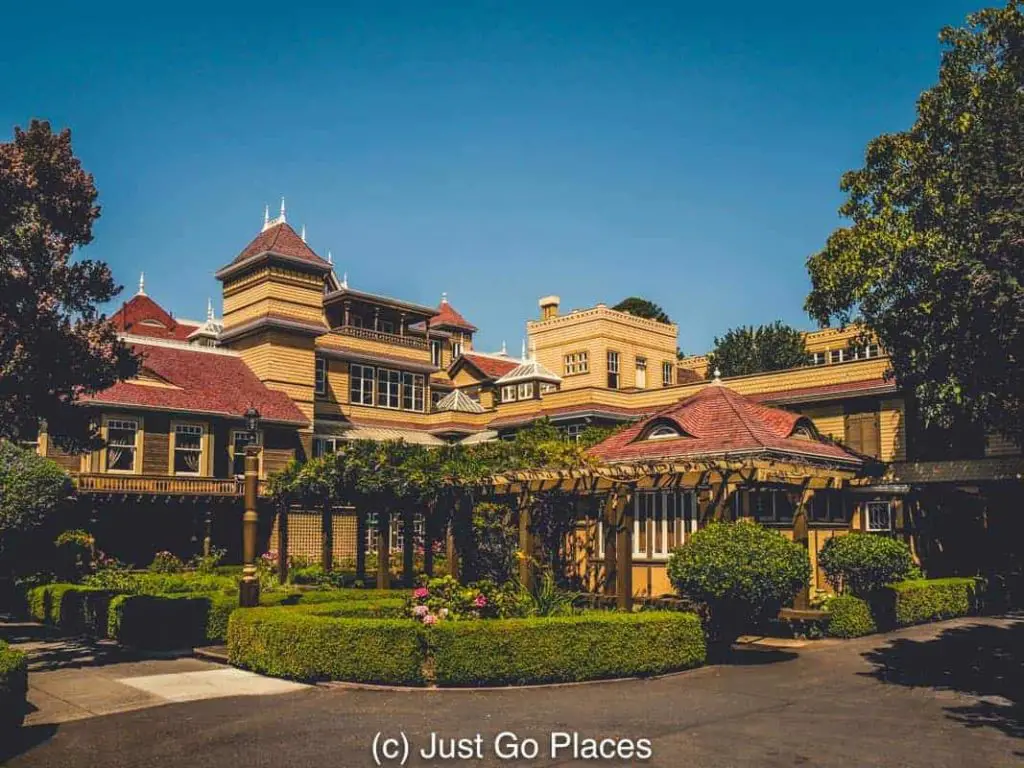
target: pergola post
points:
(282, 542)
(609, 524)
(383, 549)
(326, 538)
(801, 535)
(624, 553)
(408, 547)
(361, 545)
(428, 542)
(526, 575)
(451, 553)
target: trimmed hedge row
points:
(13, 687)
(308, 643)
(182, 620)
(903, 604)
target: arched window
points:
(662, 432)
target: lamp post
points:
(249, 589)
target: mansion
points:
(324, 363)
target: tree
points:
(747, 349)
(641, 307)
(932, 262)
(54, 345)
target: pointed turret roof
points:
(448, 317)
(457, 400)
(141, 316)
(276, 240)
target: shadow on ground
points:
(747, 656)
(983, 661)
(24, 739)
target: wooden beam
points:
(526, 553)
(408, 547)
(624, 552)
(383, 549)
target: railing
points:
(412, 342)
(161, 485)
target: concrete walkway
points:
(77, 678)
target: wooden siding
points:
(370, 347)
(156, 444)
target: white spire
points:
(142, 284)
(503, 350)
(303, 232)
(266, 218)
(209, 309)
(344, 280)
(444, 297)
(524, 349)
(718, 377)
(330, 259)
(281, 217)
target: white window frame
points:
(837, 356)
(819, 358)
(320, 376)
(117, 422)
(614, 369)
(436, 352)
(640, 380)
(525, 391)
(577, 363)
(413, 391)
(324, 445)
(362, 387)
(663, 432)
(870, 525)
(193, 429)
(666, 373)
(456, 349)
(657, 508)
(545, 388)
(573, 432)
(389, 388)
(508, 393)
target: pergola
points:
(714, 442)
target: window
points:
(545, 388)
(837, 355)
(666, 374)
(361, 384)
(828, 507)
(412, 391)
(456, 349)
(818, 358)
(573, 432)
(389, 382)
(323, 446)
(863, 353)
(239, 440)
(662, 521)
(188, 449)
(398, 532)
(435, 352)
(436, 396)
(356, 321)
(769, 505)
(387, 326)
(662, 432)
(871, 350)
(30, 441)
(613, 370)
(576, 362)
(641, 373)
(121, 445)
(525, 391)
(508, 393)
(878, 515)
(320, 381)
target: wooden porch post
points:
(383, 549)
(360, 545)
(801, 535)
(428, 541)
(451, 553)
(327, 537)
(526, 541)
(610, 521)
(282, 542)
(624, 551)
(408, 547)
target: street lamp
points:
(249, 589)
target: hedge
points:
(13, 687)
(903, 604)
(73, 608)
(290, 643)
(564, 649)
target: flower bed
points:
(13, 687)
(902, 604)
(307, 643)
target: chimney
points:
(549, 307)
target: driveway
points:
(949, 694)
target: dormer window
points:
(663, 432)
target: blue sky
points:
(685, 152)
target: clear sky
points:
(685, 152)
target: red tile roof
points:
(718, 421)
(448, 317)
(141, 316)
(204, 382)
(491, 367)
(282, 240)
(826, 391)
(567, 410)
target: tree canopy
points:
(640, 307)
(747, 349)
(54, 345)
(932, 261)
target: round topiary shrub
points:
(862, 563)
(740, 573)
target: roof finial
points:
(142, 284)
(266, 218)
(444, 297)
(330, 259)
(503, 350)
(283, 219)
(524, 350)
(344, 280)
(209, 309)
(718, 377)
(303, 233)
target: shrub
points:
(740, 573)
(284, 642)
(13, 687)
(74, 554)
(166, 562)
(495, 540)
(860, 563)
(564, 649)
(850, 616)
(934, 599)
(75, 609)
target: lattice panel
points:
(304, 539)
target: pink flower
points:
(420, 592)
(430, 619)
(420, 611)
(480, 601)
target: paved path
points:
(940, 695)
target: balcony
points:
(161, 485)
(412, 342)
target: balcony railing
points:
(413, 342)
(161, 485)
